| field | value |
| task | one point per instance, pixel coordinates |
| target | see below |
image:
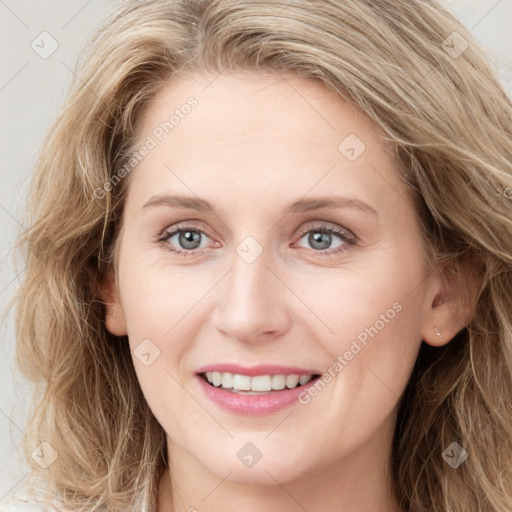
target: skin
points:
(255, 143)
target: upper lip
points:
(261, 369)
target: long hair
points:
(421, 77)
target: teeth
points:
(304, 379)
(227, 380)
(242, 382)
(216, 379)
(257, 383)
(292, 381)
(278, 382)
(261, 383)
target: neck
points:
(359, 481)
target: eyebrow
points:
(299, 206)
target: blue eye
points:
(188, 239)
(320, 238)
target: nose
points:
(252, 304)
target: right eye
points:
(184, 240)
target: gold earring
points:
(438, 332)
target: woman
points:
(270, 265)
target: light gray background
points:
(31, 91)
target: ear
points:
(114, 314)
(453, 298)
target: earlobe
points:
(114, 314)
(438, 332)
(453, 304)
(115, 322)
(437, 338)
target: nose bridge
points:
(253, 299)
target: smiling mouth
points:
(255, 385)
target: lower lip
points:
(253, 404)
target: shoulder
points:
(20, 504)
(29, 498)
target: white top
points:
(28, 497)
(25, 503)
(25, 506)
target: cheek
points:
(161, 330)
(161, 305)
(158, 298)
(378, 301)
(371, 333)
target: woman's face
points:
(306, 261)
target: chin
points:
(266, 471)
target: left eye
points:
(321, 237)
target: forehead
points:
(260, 136)
(254, 104)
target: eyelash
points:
(345, 235)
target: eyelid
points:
(191, 224)
(328, 226)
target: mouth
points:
(256, 384)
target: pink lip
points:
(251, 371)
(253, 404)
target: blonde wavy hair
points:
(450, 123)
